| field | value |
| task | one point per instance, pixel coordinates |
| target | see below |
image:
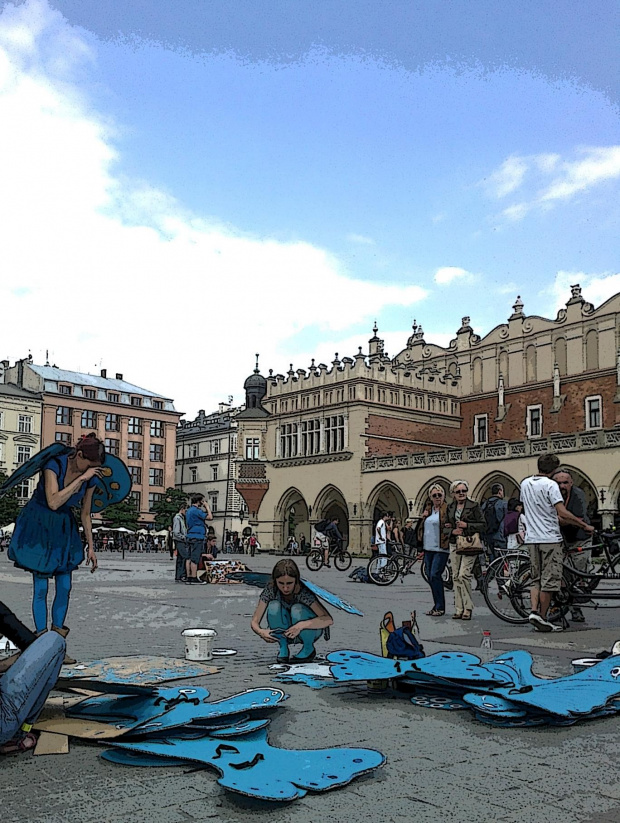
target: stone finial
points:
(518, 305)
(575, 292)
(465, 322)
(336, 361)
(257, 370)
(375, 329)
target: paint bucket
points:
(198, 643)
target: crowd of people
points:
(548, 516)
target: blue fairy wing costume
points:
(261, 579)
(46, 541)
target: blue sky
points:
(272, 176)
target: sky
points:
(183, 185)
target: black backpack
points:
(322, 525)
(490, 515)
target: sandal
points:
(466, 616)
(435, 613)
(457, 616)
(20, 743)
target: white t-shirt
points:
(380, 532)
(539, 495)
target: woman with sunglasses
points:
(464, 517)
(435, 540)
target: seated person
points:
(26, 682)
(294, 614)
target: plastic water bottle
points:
(487, 642)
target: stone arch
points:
(582, 480)
(423, 492)
(482, 490)
(329, 503)
(293, 516)
(387, 496)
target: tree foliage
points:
(166, 508)
(123, 514)
(9, 507)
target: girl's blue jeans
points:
(279, 617)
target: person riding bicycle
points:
(334, 539)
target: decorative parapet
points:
(311, 459)
(556, 443)
(252, 470)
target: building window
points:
(63, 437)
(158, 404)
(193, 450)
(214, 472)
(23, 490)
(134, 450)
(91, 394)
(252, 447)
(334, 433)
(481, 429)
(64, 416)
(89, 420)
(534, 421)
(23, 454)
(112, 446)
(136, 401)
(156, 453)
(214, 446)
(288, 440)
(311, 437)
(24, 424)
(111, 423)
(134, 426)
(113, 397)
(594, 412)
(193, 474)
(154, 498)
(156, 477)
(213, 502)
(64, 389)
(137, 499)
(157, 428)
(135, 472)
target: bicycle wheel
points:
(383, 575)
(506, 587)
(314, 560)
(342, 561)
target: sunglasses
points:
(436, 495)
(460, 491)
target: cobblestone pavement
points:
(442, 766)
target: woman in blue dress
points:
(46, 540)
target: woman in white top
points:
(435, 541)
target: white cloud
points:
(596, 288)
(448, 274)
(96, 267)
(552, 179)
(360, 239)
(508, 177)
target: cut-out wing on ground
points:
(260, 580)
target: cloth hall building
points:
(371, 433)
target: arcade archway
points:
(482, 491)
(387, 497)
(292, 513)
(330, 503)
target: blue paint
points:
(152, 670)
(251, 766)
(313, 681)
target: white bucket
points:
(198, 643)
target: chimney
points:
(119, 376)
(104, 372)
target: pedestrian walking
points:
(435, 540)
(464, 519)
(179, 536)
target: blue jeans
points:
(434, 565)
(25, 686)
(60, 606)
(279, 617)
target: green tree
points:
(123, 514)
(9, 507)
(166, 508)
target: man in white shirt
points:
(543, 505)
(381, 539)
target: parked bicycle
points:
(508, 579)
(399, 563)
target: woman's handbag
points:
(468, 545)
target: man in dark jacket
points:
(494, 510)
(575, 502)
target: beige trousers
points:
(462, 566)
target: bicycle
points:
(507, 582)
(315, 559)
(384, 569)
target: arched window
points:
(530, 364)
(560, 355)
(477, 374)
(503, 366)
(592, 350)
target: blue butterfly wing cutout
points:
(314, 681)
(250, 766)
(113, 487)
(129, 758)
(260, 580)
(34, 465)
